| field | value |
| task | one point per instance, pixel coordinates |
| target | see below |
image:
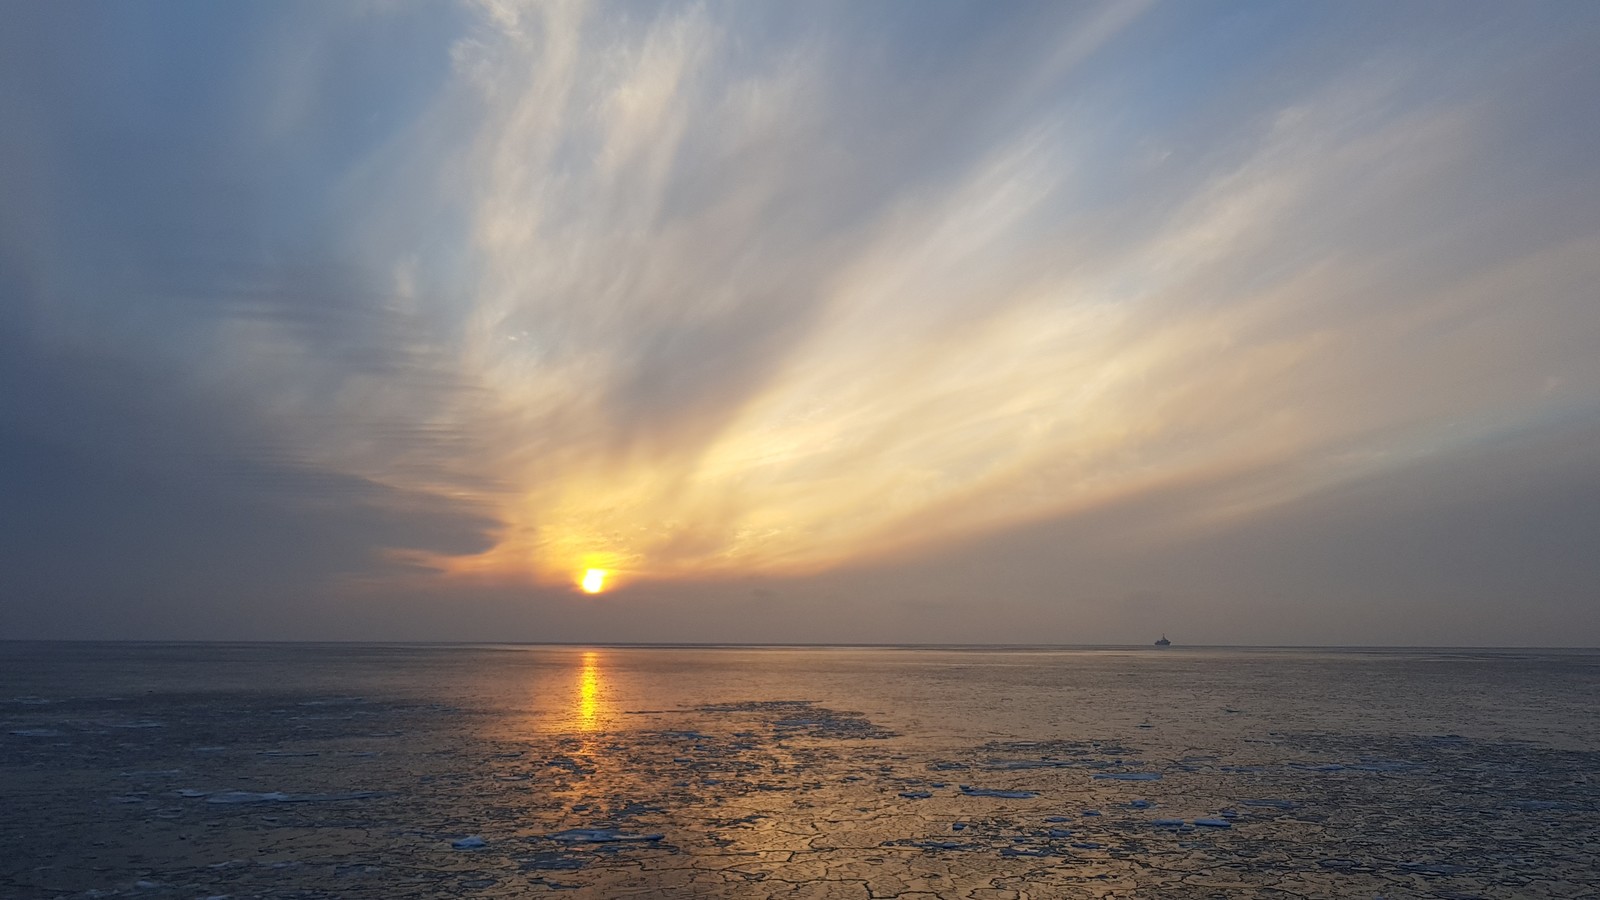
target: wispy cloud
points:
(695, 351)
(705, 290)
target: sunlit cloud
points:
(709, 330)
(695, 292)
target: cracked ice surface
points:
(395, 772)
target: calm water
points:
(417, 771)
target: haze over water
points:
(181, 770)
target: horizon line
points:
(815, 645)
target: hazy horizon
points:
(783, 646)
(1257, 324)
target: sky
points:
(896, 322)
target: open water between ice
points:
(308, 771)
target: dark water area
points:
(310, 771)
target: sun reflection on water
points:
(590, 702)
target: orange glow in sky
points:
(594, 581)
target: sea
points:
(397, 771)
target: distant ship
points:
(1163, 642)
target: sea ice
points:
(1383, 765)
(1539, 805)
(275, 796)
(558, 862)
(1427, 868)
(990, 792)
(244, 797)
(1127, 776)
(1168, 823)
(1214, 823)
(939, 845)
(599, 836)
(915, 795)
(470, 842)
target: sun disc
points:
(594, 581)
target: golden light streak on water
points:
(589, 699)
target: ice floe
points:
(933, 845)
(470, 842)
(557, 862)
(1433, 868)
(238, 797)
(971, 791)
(599, 836)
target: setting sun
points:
(594, 581)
